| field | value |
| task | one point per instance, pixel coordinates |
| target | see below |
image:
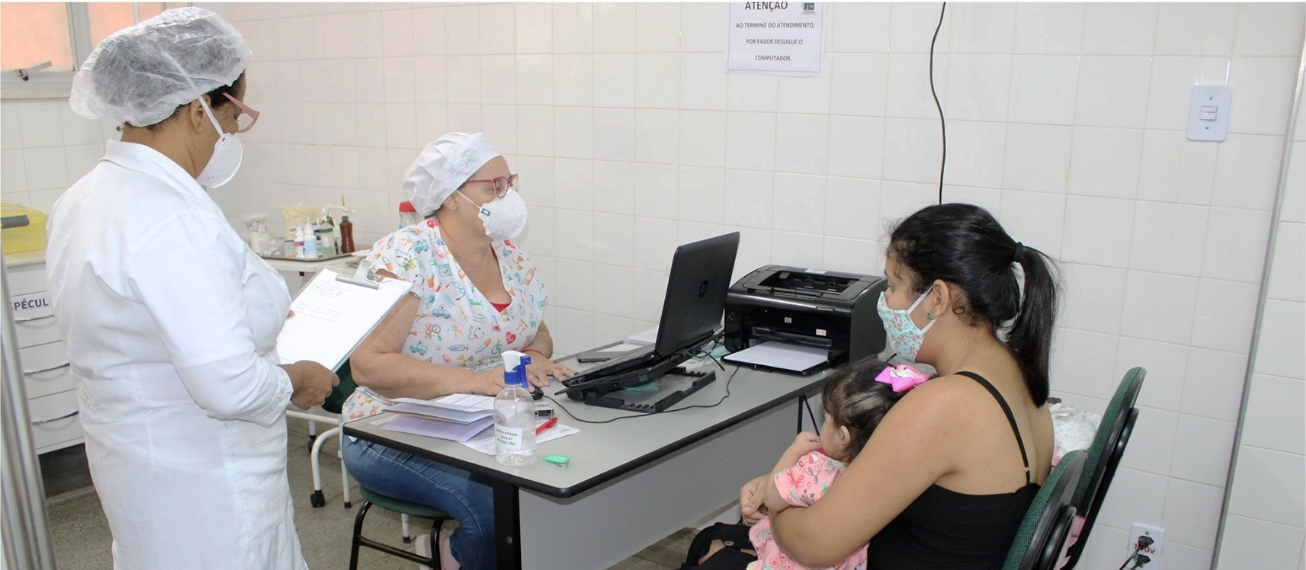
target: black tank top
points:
(947, 530)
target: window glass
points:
(32, 33)
(106, 18)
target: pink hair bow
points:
(901, 377)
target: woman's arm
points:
(542, 366)
(912, 448)
(202, 319)
(542, 346)
(379, 363)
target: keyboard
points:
(628, 361)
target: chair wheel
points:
(317, 500)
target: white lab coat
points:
(171, 324)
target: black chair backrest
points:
(1056, 516)
(1090, 503)
(1056, 541)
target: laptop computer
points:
(691, 311)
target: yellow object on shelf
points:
(28, 238)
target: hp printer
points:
(824, 309)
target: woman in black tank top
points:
(947, 476)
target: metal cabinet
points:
(47, 377)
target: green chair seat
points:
(402, 507)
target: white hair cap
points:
(443, 166)
(141, 74)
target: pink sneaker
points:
(446, 553)
(422, 547)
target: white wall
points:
(44, 148)
(1065, 120)
(1267, 508)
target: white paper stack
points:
(456, 417)
(781, 356)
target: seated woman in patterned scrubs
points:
(475, 294)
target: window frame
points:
(58, 84)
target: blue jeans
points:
(410, 478)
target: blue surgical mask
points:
(904, 336)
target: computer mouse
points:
(536, 393)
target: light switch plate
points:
(1208, 112)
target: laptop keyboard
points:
(624, 362)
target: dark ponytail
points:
(964, 245)
(1030, 336)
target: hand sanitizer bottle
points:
(514, 414)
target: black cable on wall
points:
(943, 127)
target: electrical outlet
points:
(1154, 551)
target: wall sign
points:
(777, 38)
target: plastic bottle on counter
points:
(335, 234)
(311, 250)
(346, 235)
(330, 245)
(514, 414)
(299, 242)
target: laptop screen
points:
(696, 293)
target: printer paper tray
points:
(781, 357)
(763, 334)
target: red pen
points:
(546, 425)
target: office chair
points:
(1104, 457)
(406, 509)
(1043, 532)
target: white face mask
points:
(227, 154)
(504, 218)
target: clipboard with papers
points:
(334, 313)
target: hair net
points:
(141, 74)
(443, 166)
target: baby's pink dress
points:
(800, 485)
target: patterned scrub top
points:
(456, 325)
(801, 486)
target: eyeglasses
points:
(501, 184)
(247, 117)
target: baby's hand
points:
(805, 443)
(751, 496)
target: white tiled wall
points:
(1064, 120)
(44, 149)
(1267, 507)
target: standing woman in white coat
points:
(170, 321)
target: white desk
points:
(307, 266)
(631, 482)
(306, 269)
